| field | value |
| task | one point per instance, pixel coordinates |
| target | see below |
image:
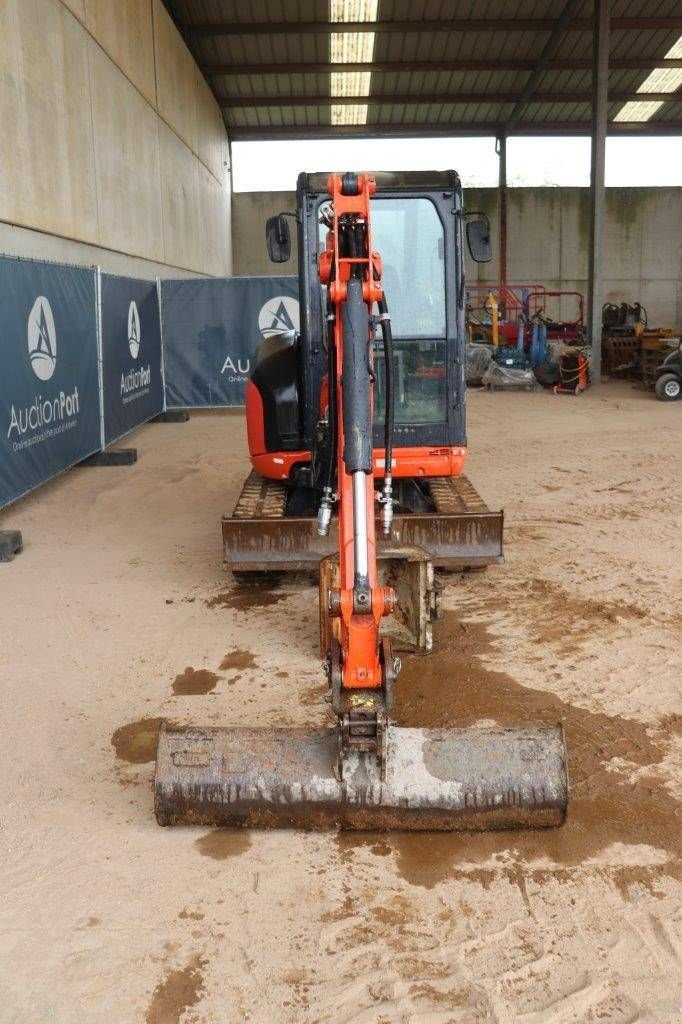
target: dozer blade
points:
(436, 779)
(260, 537)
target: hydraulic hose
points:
(389, 413)
(324, 512)
(328, 478)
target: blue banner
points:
(132, 380)
(49, 390)
(211, 329)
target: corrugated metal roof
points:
(277, 79)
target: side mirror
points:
(278, 238)
(478, 238)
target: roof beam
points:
(249, 102)
(548, 51)
(630, 64)
(450, 129)
(278, 28)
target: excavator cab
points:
(419, 225)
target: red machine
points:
(574, 367)
(522, 305)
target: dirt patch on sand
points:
(562, 620)
(194, 682)
(136, 741)
(190, 915)
(244, 598)
(611, 798)
(238, 660)
(223, 843)
(178, 991)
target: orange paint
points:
(408, 463)
(359, 631)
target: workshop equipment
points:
(574, 368)
(668, 385)
(622, 326)
(365, 773)
(631, 348)
(623, 319)
(520, 307)
(654, 347)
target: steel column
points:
(501, 147)
(600, 76)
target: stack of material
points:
(654, 346)
(502, 377)
(478, 361)
(619, 354)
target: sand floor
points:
(118, 613)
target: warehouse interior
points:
(147, 579)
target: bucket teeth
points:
(450, 779)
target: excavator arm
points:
(361, 666)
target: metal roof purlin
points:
(548, 51)
(504, 70)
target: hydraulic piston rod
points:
(360, 550)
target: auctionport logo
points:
(134, 338)
(136, 382)
(239, 373)
(278, 315)
(44, 417)
(42, 339)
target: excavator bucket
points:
(472, 779)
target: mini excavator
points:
(365, 772)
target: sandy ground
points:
(118, 613)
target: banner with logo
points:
(211, 330)
(132, 383)
(49, 389)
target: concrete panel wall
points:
(47, 160)
(180, 199)
(176, 78)
(28, 244)
(127, 162)
(250, 210)
(547, 239)
(113, 141)
(125, 31)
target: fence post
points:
(163, 358)
(100, 353)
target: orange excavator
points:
(365, 772)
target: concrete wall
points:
(547, 239)
(114, 150)
(250, 210)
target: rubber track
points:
(455, 494)
(261, 499)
